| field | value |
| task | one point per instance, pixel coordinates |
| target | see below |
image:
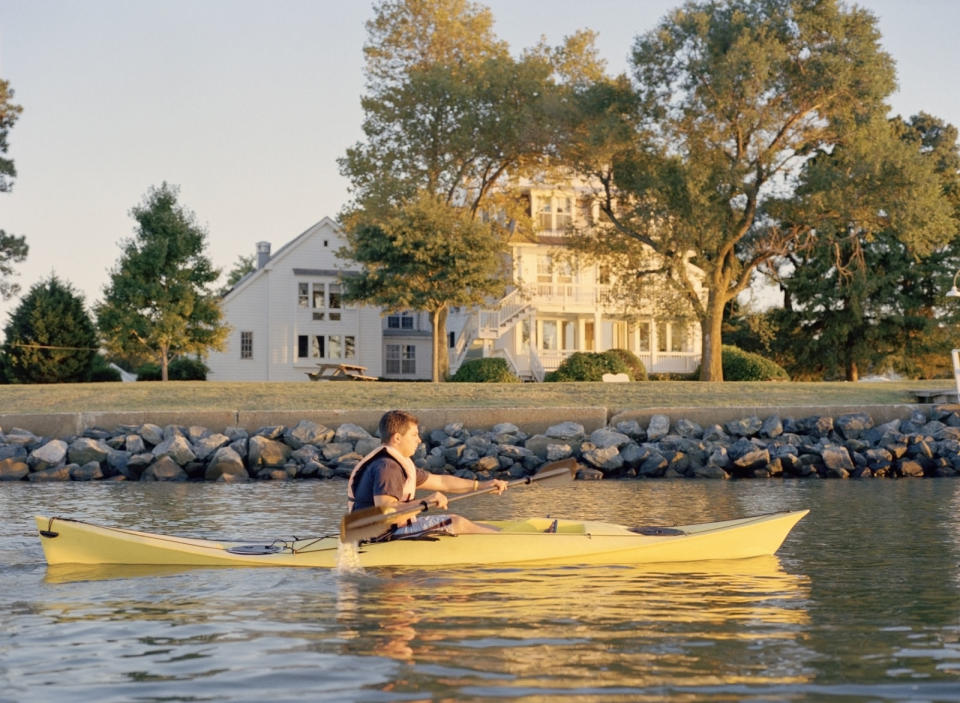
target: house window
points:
(334, 346)
(564, 214)
(546, 214)
(334, 300)
(246, 345)
(401, 359)
(303, 295)
(403, 321)
(663, 336)
(549, 336)
(677, 337)
(555, 213)
(644, 332)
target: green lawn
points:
(180, 395)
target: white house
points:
(287, 316)
(555, 308)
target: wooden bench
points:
(340, 372)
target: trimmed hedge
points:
(638, 372)
(739, 365)
(588, 366)
(183, 368)
(490, 370)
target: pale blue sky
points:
(246, 105)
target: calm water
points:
(861, 604)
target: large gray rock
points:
(12, 469)
(152, 434)
(50, 455)
(307, 432)
(366, 445)
(745, 426)
(177, 447)
(687, 428)
(555, 452)
(604, 458)
(90, 471)
(659, 427)
(348, 432)
(267, 452)
(164, 469)
(206, 446)
(771, 427)
(84, 450)
(853, 425)
(603, 438)
(568, 431)
(134, 444)
(55, 473)
(225, 461)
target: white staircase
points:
(490, 324)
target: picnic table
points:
(340, 372)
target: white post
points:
(955, 353)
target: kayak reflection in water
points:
(388, 478)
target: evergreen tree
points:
(13, 248)
(867, 294)
(50, 337)
(158, 301)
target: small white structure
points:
(287, 317)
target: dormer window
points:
(555, 213)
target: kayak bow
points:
(531, 542)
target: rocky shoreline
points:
(926, 443)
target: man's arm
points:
(454, 484)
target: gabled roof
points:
(325, 224)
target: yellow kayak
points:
(522, 542)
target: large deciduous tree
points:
(13, 248)
(50, 337)
(727, 101)
(449, 116)
(158, 301)
(426, 256)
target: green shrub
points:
(103, 372)
(490, 370)
(185, 368)
(588, 366)
(638, 372)
(182, 368)
(739, 365)
(149, 372)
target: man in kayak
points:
(388, 478)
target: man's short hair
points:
(395, 422)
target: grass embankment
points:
(87, 397)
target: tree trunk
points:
(443, 356)
(711, 326)
(853, 372)
(164, 364)
(435, 361)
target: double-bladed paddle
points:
(372, 522)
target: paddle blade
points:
(555, 474)
(372, 522)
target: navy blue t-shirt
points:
(383, 476)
